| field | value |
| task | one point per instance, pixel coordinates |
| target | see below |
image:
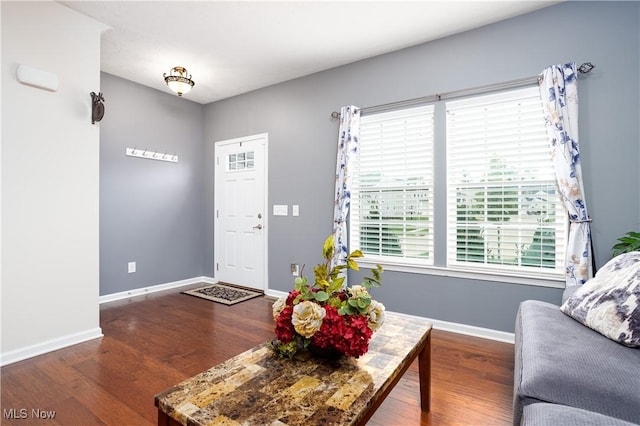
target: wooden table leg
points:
(424, 372)
(165, 420)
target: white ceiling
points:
(232, 47)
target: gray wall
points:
(302, 140)
(161, 214)
(151, 212)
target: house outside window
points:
(392, 189)
(503, 208)
(500, 205)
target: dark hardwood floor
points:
(155, 341)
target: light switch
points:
(280, 210)
(295, 210)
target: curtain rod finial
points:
(335, 114)
(586, 68)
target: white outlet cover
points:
(131, 267)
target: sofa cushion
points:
(558, 360)
(555, 414)
(609, 303)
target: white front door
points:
(240, 199)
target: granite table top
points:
(259, 388)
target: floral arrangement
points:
(328, 314)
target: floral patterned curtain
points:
(347, 149)
(559, 93)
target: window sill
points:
(539, 281)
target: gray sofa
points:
(567, 374)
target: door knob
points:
(258, 226)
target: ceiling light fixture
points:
(179, 80)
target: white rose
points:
(358, 291)
(375, 313)
(307, 318)
(278, 306)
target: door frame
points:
(264, 137)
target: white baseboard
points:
(154, 288)
(275, 293)
(48, 346)
(468, 330)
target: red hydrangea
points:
(357, 336)
(292, 296)
(348, 334)
(332, 325)
(284, 326)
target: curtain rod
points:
(585, 68)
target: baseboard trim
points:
(468, 330)
(49, 346)
(276, 294)
(153, 289)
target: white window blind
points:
(391, 216)
(503, 208)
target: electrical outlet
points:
(295, 269)
(131, 267)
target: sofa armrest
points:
(569, 291)
(560, 361)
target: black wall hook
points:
(97, 107)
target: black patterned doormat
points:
(223, 293)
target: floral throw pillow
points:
(609, 303)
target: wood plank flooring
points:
(155, 341)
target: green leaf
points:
(627, 243)
(327, 249)
(321, 296)
(346, 310)
(356, 253)
(336, 285)
(363, 303)
(378, 271)
(320, 271)
(374, 281)
(300, 283)
(323, 283)
(353, 265)
(335, 302)
(336, 269)
(627, 240)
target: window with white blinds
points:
(391, 219)
(503, 208)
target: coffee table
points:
(259, 388)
